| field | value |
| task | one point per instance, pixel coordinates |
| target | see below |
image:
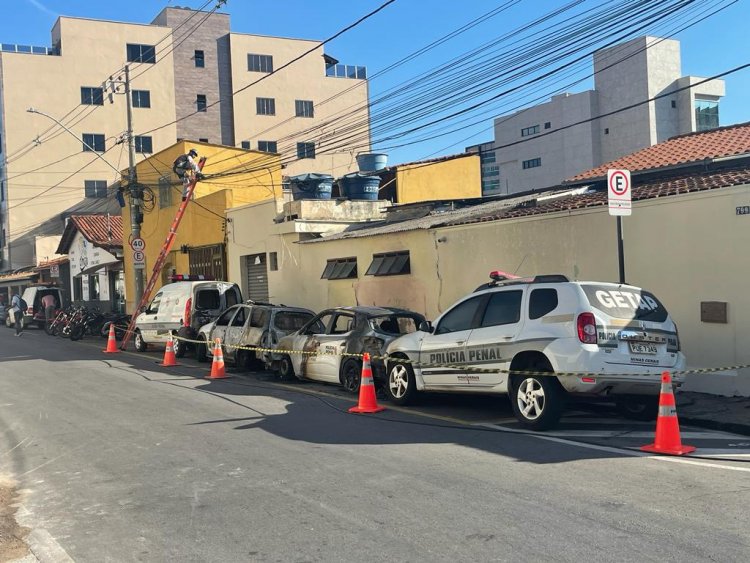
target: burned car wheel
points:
(351, 375)
(401, 384)
(286, 369)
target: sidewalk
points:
(730, 414)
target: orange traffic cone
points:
(111, 341)
(367, 401)
(170, 360)
(217, 366)
(667, 440)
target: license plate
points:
(641, 348)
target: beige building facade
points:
(184, 67)
(684, 248)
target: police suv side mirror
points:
(425, 326)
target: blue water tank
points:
(359, 186)
(369, 162)
(311, 186)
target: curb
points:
(733, 427)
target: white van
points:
(180, 308)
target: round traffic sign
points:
(138, 244)
(619, 183)
(138, 256)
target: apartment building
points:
(540, 146)
(184, 68)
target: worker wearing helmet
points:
(185, 167)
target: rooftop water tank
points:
(311, 186)
(359, 186)
(369, 162)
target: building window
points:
(95, 188)
(547, 124)
(606, 130)
(203, 139)
(200, 102)
(143, 144)
(305, 150)
(487, 157)
(141, 53)
(200, 59)
(674, 104)
(245, 145)
(489, 185)
(491, 171)
(93, 142)
(346, 71)
(273, 261)
(389, 264)
(532, 163)
(259, 63)
(340, 269)
(303, 108)
(706, 114)
(141, 98)
(265, 106)
(92, 96)
(267, 146)
(165, 191)
(78, 288)
(533, 130)
(94, 287)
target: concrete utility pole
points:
(136, 192)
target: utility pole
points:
(136, 192)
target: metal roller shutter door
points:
(257, 277)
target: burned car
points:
(343, 330)
(250, 324)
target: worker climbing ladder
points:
(159, 264)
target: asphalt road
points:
(121, 460)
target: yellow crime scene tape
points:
(464, 367)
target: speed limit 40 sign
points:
(138, 244)
(619, 192)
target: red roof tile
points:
(103, 230)
(693, 147)
(662, 188)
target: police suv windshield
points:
(625, 302)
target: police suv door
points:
(490, 343)
(447, 345)
(326, 364)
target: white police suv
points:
(570, 337)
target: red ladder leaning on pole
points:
(159, 264)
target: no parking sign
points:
(618, 192)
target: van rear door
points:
(633, 327)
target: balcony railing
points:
(346, 71)
(29, 49)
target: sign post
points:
(620, 204)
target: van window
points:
(541, 302)
(232, 297)
(207, 299)
(504, 308)
(153, 308)
(625, 303)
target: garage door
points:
(257, 277)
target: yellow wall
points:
(204, 217)
(345, 101)
(456, 178)
(686, 249)
(91, 51)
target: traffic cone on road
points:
(111, 341)
(367, 401)
(217, 366)
(667, 439)
(170, 360)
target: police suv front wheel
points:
(537, 400)
(401, 384)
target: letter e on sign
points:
(618, 192)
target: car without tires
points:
(617, 338)
(329, 338)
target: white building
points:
(540, 146)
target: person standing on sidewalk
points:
(15, 307)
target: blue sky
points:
(710, 47)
